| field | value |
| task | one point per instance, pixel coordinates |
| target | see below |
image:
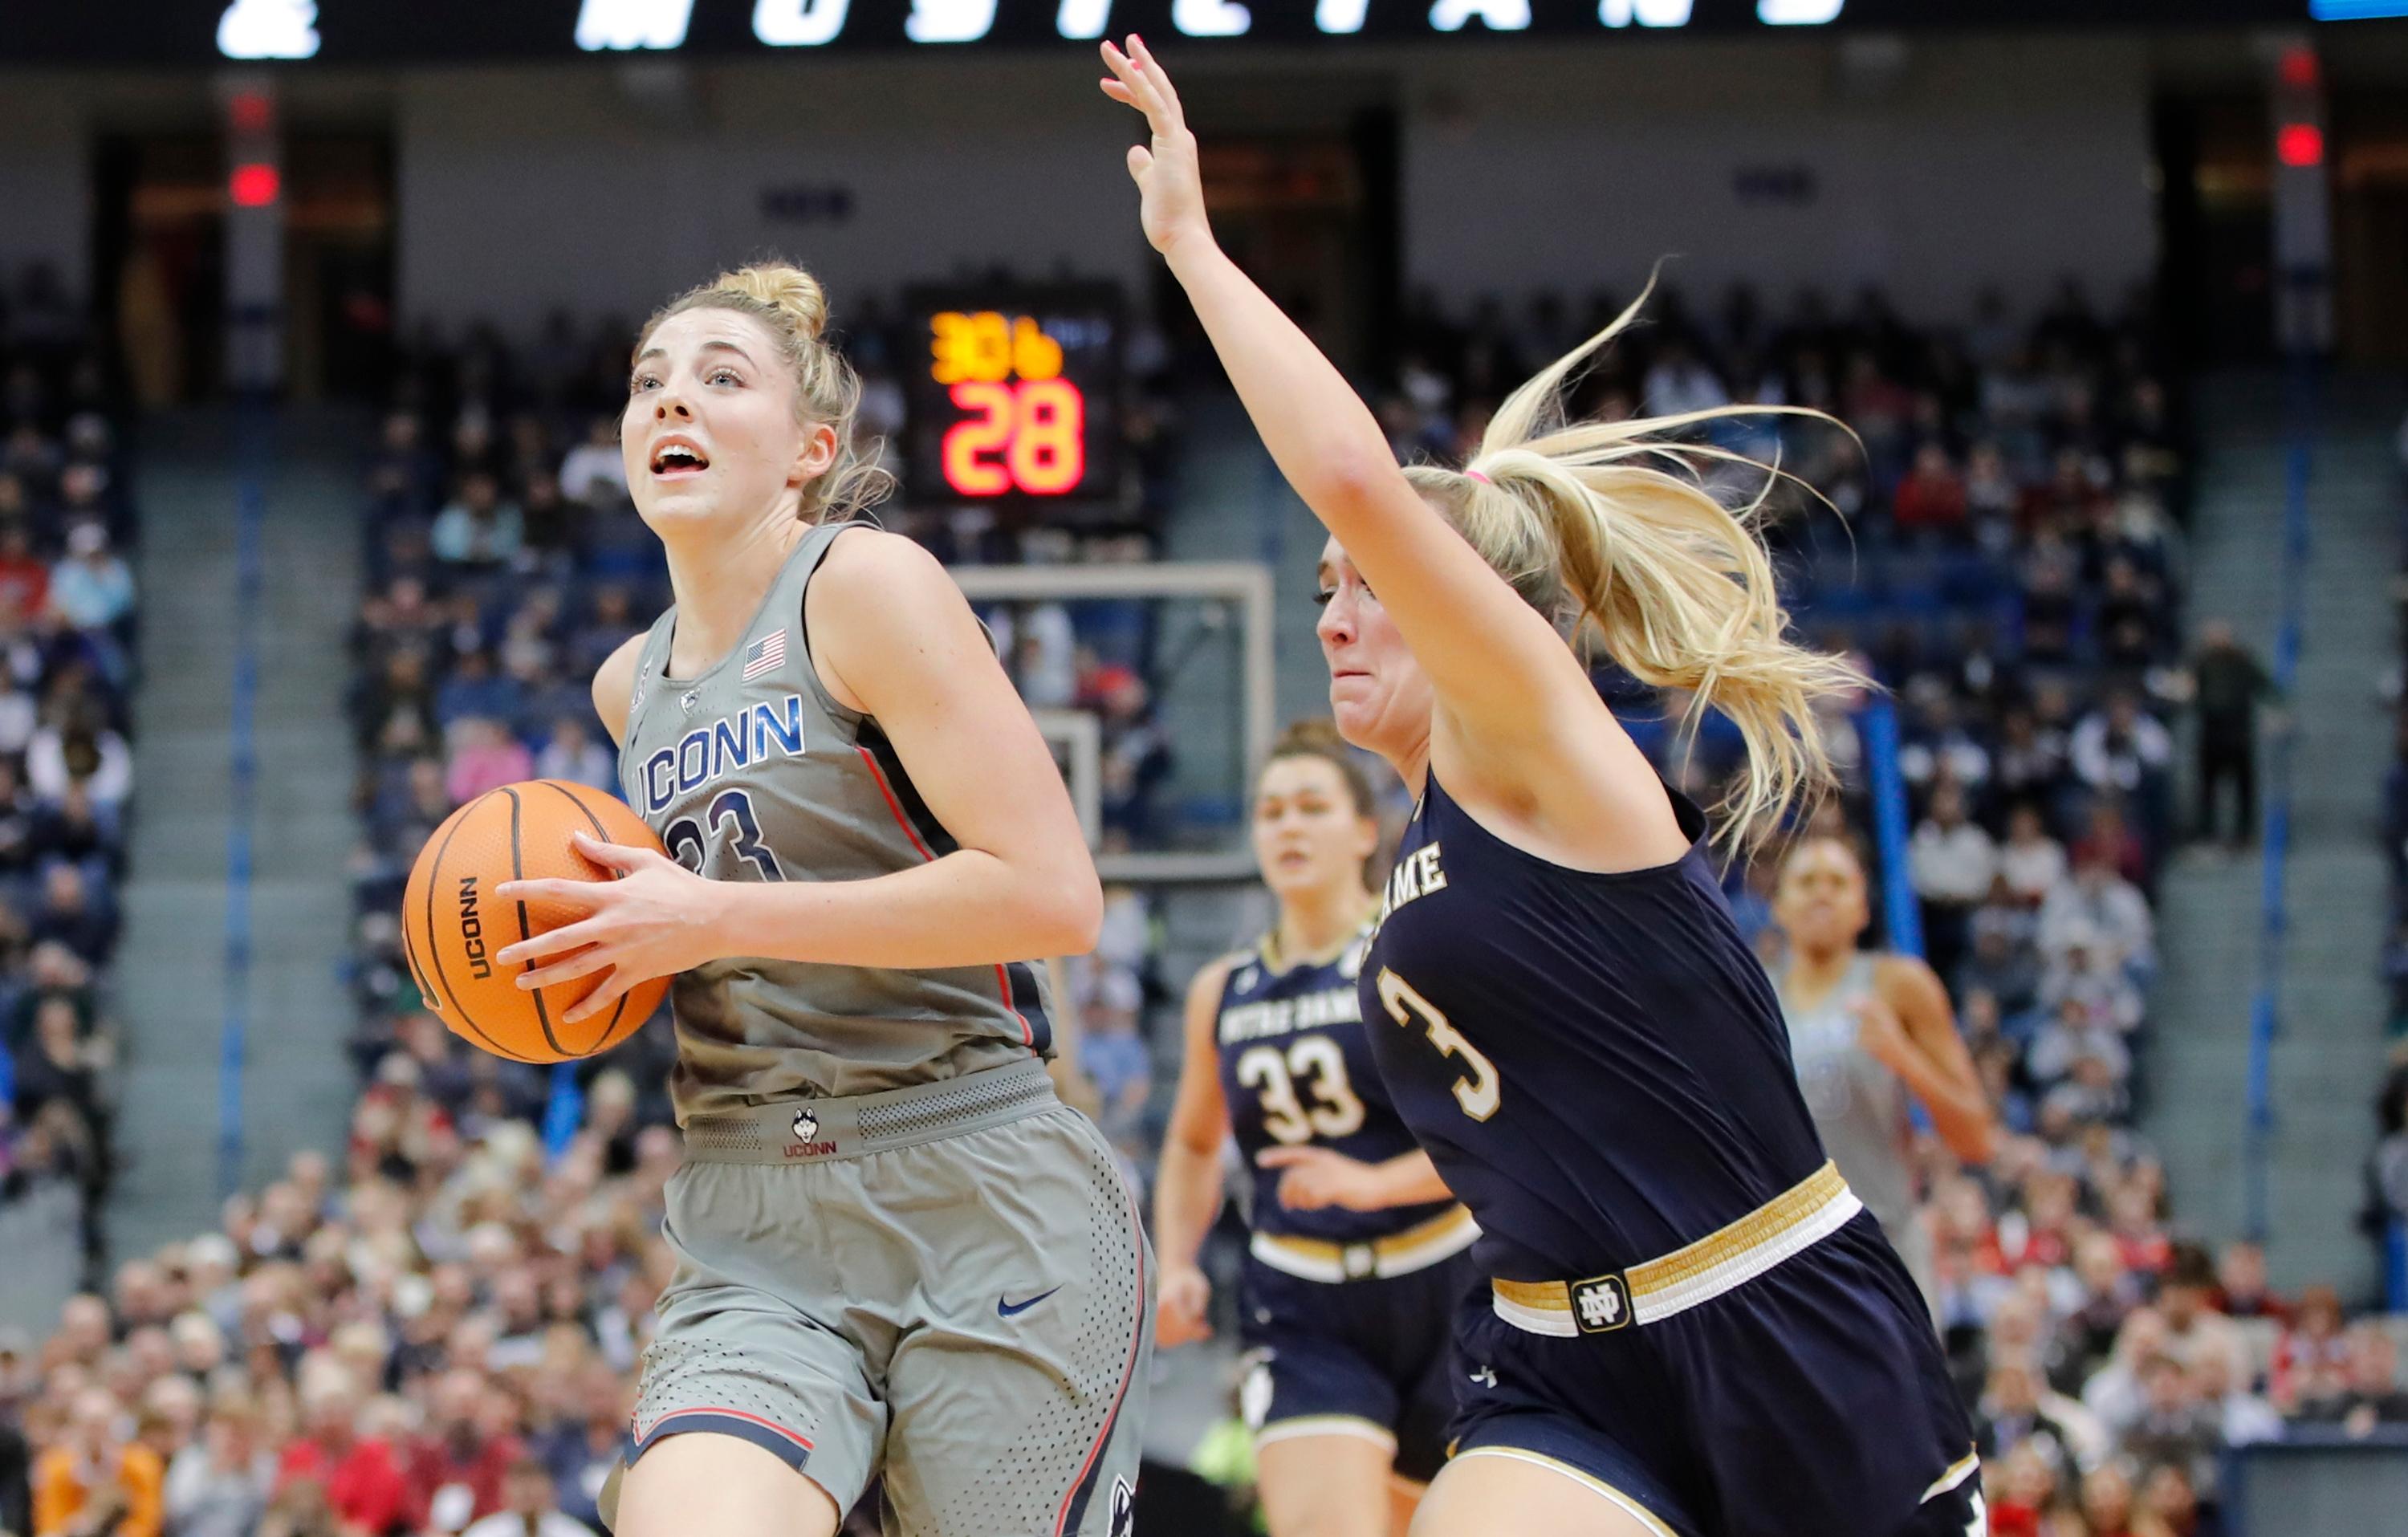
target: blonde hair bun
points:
(792, 305)
(789, 290)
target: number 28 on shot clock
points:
(1014, 394)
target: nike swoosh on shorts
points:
(1005, 1308)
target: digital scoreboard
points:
(1012, 394)
(316, 34)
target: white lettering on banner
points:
(1501, 15)
(632, 24)
(1798, 13)
(268, 29)
(798, 23)
(948, 20)
(1211, 17)
(1647, 13)
(1340, 16)
(1082, 17)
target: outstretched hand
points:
(1313, 1178)
(654, 920)
(1169, 180)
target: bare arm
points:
(901, 642)
(1930, 1056)
(1316, 1177)
(614, 687)
(1187, 1187)
(1516, 709)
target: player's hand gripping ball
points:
(456, 920)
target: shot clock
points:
(1014, 393)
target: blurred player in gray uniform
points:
(1868, 1030)
(898, 1252)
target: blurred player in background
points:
(1870, 1032)
(898, 1250)
(1359, 1253)
(1692, 1327)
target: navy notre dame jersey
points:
(1596, 1063)
(1295, 1070)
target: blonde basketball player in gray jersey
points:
(1869, 1031)
(898, 1250)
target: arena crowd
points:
(435, 1328)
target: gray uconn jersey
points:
(1859, 1106)
(753, 771)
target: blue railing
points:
(253, 428)
(2265, 1017)
(1877, 730)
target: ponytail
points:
(1604, 527)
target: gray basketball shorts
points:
(947, 1284)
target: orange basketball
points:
(451, 924)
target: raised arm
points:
(1512, 685)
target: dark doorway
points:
(2215, 168)
(2370, 171)
(1304, 190)
(159, 261)
(338, 263)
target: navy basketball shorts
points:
(1811, 1400)
(1372, 1357)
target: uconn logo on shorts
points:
(804, 1139)
(713, 751)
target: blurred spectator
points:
(594, 473)
(92, 589)
(2012, 1419)
(93, 1480)
(2362, 1389)
(2241, 1286)
(360, 1480)
(572, 753)
(1931, 497)
(2174, 1426)
(478, 528)
(2029, 861)
(1953, 863)
(2386, 1166)
(2227, 687)
(2309, 1353)
(528, 1507)
(2120, 748)
(218, 1485)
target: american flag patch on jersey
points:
(767, 654)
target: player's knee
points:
(719, 1483)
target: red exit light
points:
(254, 186)
(2301, 145)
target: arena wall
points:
(1956, 166)
(45, 177)
(520, 192)
(602, 187)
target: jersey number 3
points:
(687, 843)
(1481, 1091)
(1336, 1112)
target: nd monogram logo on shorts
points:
(1602, 1305)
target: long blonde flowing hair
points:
(1608, 529)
